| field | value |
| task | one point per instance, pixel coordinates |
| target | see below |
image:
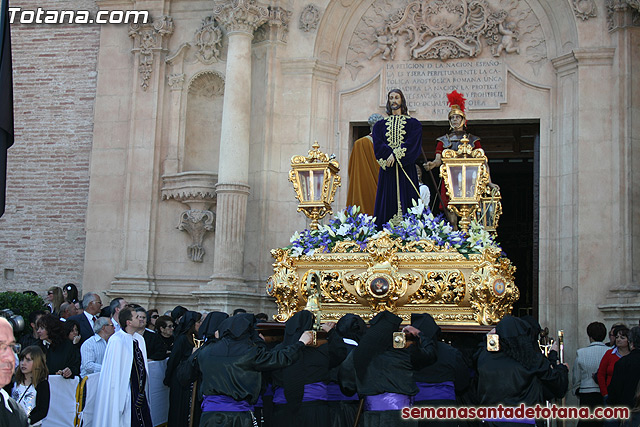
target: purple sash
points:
(386, 402)
(313, 391)
(220, 403)
(335, 394)
(435, 391)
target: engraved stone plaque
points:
(426, 83)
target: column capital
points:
(241, 15)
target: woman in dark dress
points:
(165, 328)
(179, 396)
(63, 358)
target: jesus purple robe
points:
(397, 184)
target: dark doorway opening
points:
(512, 148)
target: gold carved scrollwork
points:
(492, 289)
(332, 289)
(283, 285)
(440, 287)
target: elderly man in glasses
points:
(10, 412)
(92, 350)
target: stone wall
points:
(42, 233)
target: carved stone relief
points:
(309, 18)
(208, 39)
(207, 84)
(175, 81)
(443, 30)
(148, 39)
(241, 15)
(196, 222)
(585, 9)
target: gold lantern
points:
(315, 180)
(490, 209)
(465, 176)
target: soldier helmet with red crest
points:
(456, 103)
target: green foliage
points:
(23, 305)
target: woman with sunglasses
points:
(152, 317)
(165, 327)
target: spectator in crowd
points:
(121, 399)
(231, 371)
(623, 387)
(586, 367)
(55, 300)
(31, 385)
(93, 349)
(382, 374)
(70, 293)
(179, 396)
(10, 412)
(32, 339)
(612, 334)
(262, 318)
(71, 330)
(152, 316)
(442, 381)
(166, 327)
(67, 310)
(91, 303)
(63, 358)
(343, 339)
(115, 306)
(518, 372)
(611, 357)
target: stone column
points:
(240, 19)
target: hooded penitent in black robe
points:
(300, 390)
(180, 396)
(377, 371)
(343, 339)
(519, 372)
(231, 369)
(187, 372)
(440, 382)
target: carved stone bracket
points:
(208, 39)
(585, 9)
(196, 190)
(241, 15)
(148, 39)
(309, 18)
(196, 222)
(622, 13)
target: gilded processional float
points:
(416, 265)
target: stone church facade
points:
(151, 160)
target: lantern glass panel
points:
(456, 177)
(304, 179)
(318, 179)
(470, 182)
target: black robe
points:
(311, 367)
(233, 366)
(375, 367)
(449, 367)
(518, 373)
(179, 395)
